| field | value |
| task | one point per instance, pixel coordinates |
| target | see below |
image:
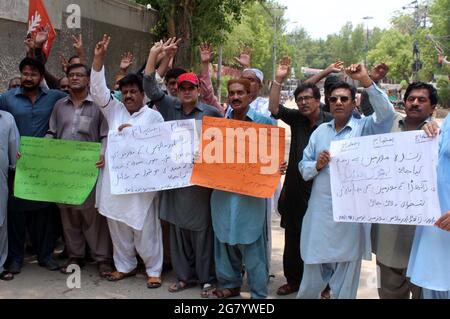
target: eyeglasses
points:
(78, 75)
(334, 99)
(420, 98)
(303, 98)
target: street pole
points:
(367, 40)
(273, 15)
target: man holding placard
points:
(77, 118)
(239, 221)
(132, 218)
(332, 252)
(187, 210)
(31, 107)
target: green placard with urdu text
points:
(57, 171)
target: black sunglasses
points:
(334, 99)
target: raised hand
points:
(283, 69)
(245, 57)
(41, 37)
(126, 61)
(336, 67)
(323, 160)
(157, 48)
(206, 52)
(359, 73)
(63, 62)
(78, 42)
(29, 43)
(170, 47)
(379, 72)
(100, 52)
(102, 47)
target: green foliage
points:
(238, 23)
(443, 85)
(394, 49)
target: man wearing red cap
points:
(186, 209)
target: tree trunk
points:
(183, 27)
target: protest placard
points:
(387, 178)
(151, 158)
(240, 157)
(57, 171)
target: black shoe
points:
(14, 268)
(51, 265)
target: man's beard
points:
(30, 88)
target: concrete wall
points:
(128, 24)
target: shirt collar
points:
(199, 106)
(352, 124)
(251, 114)
(19, 91)
(88, 98)
(402, 123)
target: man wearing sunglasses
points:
(332, 252)
(295, 193)
(392, 243)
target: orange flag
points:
(38, 19)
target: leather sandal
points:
(117, 275)
(180, 286)
(286, 289)
(153, 282)
(224, 293)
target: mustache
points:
(236, 101)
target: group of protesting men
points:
(212, 237)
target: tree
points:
(394, 49)
(195, 21)
(443, 85)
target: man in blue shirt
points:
(332, 252)
(31, 107)
(239, 221)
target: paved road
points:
(37, 282)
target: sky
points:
(323, 17)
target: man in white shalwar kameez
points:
(132, 219)
(9, 144)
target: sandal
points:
(72, 261)
(6, 276)
(104, 269)
(326, 294)
(206, 290)
(153, 282)
(180, 286)
(224, 293)
(117, 275)
(286, 289)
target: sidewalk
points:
(37, 282)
